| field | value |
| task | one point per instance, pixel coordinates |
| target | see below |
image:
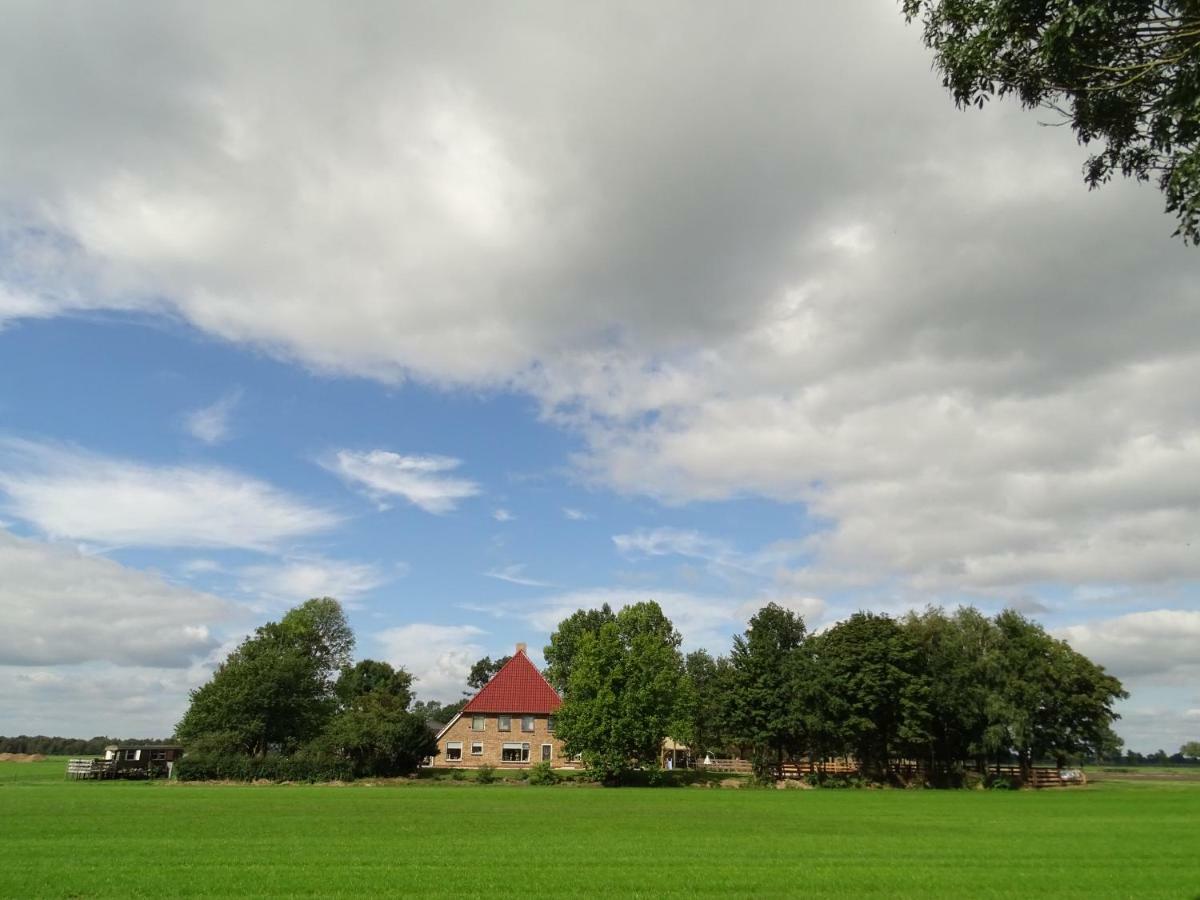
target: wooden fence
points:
(734, 766)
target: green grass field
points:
(83, 839)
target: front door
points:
(545, 753)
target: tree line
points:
(937, 688)
(63, 746)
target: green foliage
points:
(484, 670)
(272, 767)
(624, 686)
(1191, 749)
(768, 673)
(1124, 73)
(379, 737)
(566, 640)
(372, 676)
(871, 698)
(432, 711)
(542, 773)
(275, 691)
(485, 774)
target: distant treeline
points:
(62, 746)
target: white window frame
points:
(479, 745)
(479, 723)
(504, 722)
(133, 755)
(547, 752)
(158, 755)
(532, 722)
(454, 745)
(522, 749)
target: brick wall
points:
(492, 740)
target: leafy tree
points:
(566, 639)
(761, 706)
(1191, 749)
(485, 670)
(872, 699)
(1056, 702)
(621, 698)
(960, 657)
(275, 690)
(369, 676)
(373, 729)
(1124, 73)
(433, 711)
(703, 707)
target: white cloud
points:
(575, 515)
(812, 299)
(296, 580)
(210, 424)
(418, 479)
(515, 574)
(68, 493)
(440, 656)
(58, 606)
(1161, 645)
(502, 515)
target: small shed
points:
(128, 761)
(150, 759)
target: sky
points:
(474, 316)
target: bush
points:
(542, 773)
(457, 775)
(521, 775)
(272, 767)
(485, 774)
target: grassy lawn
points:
(83, 839)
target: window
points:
(453, 751)
(158, 755)
(132, 754)
(477, 723)
(515, 753)
(505, 723)
(550, 724)
(476, 748)
(547, 752)
(527, 723)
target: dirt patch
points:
(22, 757)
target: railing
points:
(91, 768)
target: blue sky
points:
(473, 323)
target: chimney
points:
(521, 647)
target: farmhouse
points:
(508, 724)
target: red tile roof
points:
(517, 688)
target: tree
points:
(432, 711)
(275, 690)
(761, 706)
(621, 699)
(566, 639)
(485, 670)
(373, 729)
(372, 676)
(1124, 73)
(872, 698)
(1191, 749)
(1055, 702)
(702, 712)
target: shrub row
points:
(272, 767)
